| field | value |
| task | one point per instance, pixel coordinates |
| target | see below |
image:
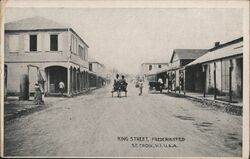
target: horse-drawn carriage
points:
(157, 86)
(120, 86)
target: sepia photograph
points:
(109, 79)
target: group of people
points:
(120, 83)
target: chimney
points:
(216, 44)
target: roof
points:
(94, 61)
(220, 53)
(188, 53)
(34, 23)
(155, 63)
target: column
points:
(175, 81)
(204, 71)
(71, 80)
(230, 80)
(184, 81)
(74, 80)
(179, 82)
(68, 81)
(215, 93)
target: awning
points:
(225, 52)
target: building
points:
(180, 58)
(220, 70)
(44, 50)
(98, 74)
(149, 70)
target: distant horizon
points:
(125, 38)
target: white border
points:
(149, 4)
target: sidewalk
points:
(13, 107)
(232, 108)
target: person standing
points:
(61, 87)
(38, 95)
(140, 83)
(160, 84)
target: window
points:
(53, 42)
(13, 43)
(159, 66)
(33, 42)
(225, 74)
(85, 53)
(80, 51)
(74, 44)
(150, 67)
(90, 66)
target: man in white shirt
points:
(61, 87)
(161, 84)
(160, 81)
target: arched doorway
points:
(56, 74)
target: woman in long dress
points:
(38, 94)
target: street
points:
(135, 126)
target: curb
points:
(224, 106)
(24, 111)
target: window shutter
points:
(26, 43)
(47, 42)
(39, 42)
(60, 41)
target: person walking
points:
(61, 87)
(38, 95)
(140, 83)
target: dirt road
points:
(151, 125)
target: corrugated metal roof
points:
(188, 53)
(34, 23)
(228, 51)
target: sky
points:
(124, 38)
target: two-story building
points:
(98, 74)
(180, 58)
(149, 70)
(44, 49)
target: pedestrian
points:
(38, 99)
(140, 83)
(61, 87)
(160, 84)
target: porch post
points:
(48, 83)
(81, 81)
(71, 80)
(204, 79)
(68, 80)
(168, 81)
(230, 80)
(184, 81)
(175, 81)
(84, 80)
(179, 82)
(215, 92)
(76, 81)
(88, 80)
